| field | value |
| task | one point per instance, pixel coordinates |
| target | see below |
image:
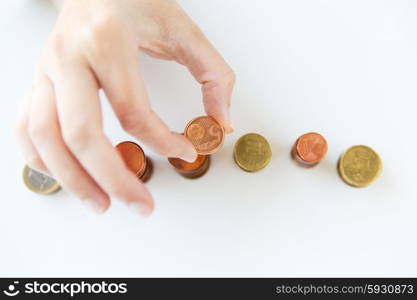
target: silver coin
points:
(38, 182)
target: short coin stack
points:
(359, 166)
(207, 136)
(135, 159)
(191, 170)
(309, 149)
(252, 152)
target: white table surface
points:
(347, 69)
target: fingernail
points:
(189, 157)
(93, 206)
(140, 208)
(191, 153)
(230, 129)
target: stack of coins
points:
(359, 166)
(252, 152)
(191, 170)
(135, 159)
(38, 182)
(207, 136)
(309, 149)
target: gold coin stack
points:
(359, 166)
(252, 152)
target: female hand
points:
(95, 45)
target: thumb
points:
(210, 69)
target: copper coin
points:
(310, 148)
(133, 156)
(147, 174)
(205, 133)
(191, 170)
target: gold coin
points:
(252, 152)
(38, 182)
(359, 166)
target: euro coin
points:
(206, 134)
(252, 152)
(38, 182)
(359, 166)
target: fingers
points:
(125, 89)
(45, 132)
(80, 118)
(29, 151)
(208, 68)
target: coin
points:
(359, 166)
(252, 152)
(148, 171)
(309, 149)
(135, 159)
(205, 133)
(38, 182)
(191, 170)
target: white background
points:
(347, 69)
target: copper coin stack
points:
(191, 170)
(135, 159)
(309, 149)
(207, 136)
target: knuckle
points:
(194, 31)
(229, 77)
(78, 136)
(40, 131)
(129, 123)
(165, 148)
(56, 44)
(100, 25)
(96, 30)
(99, 31)
(134, 121)
(57, 55)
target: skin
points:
(95, 45)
